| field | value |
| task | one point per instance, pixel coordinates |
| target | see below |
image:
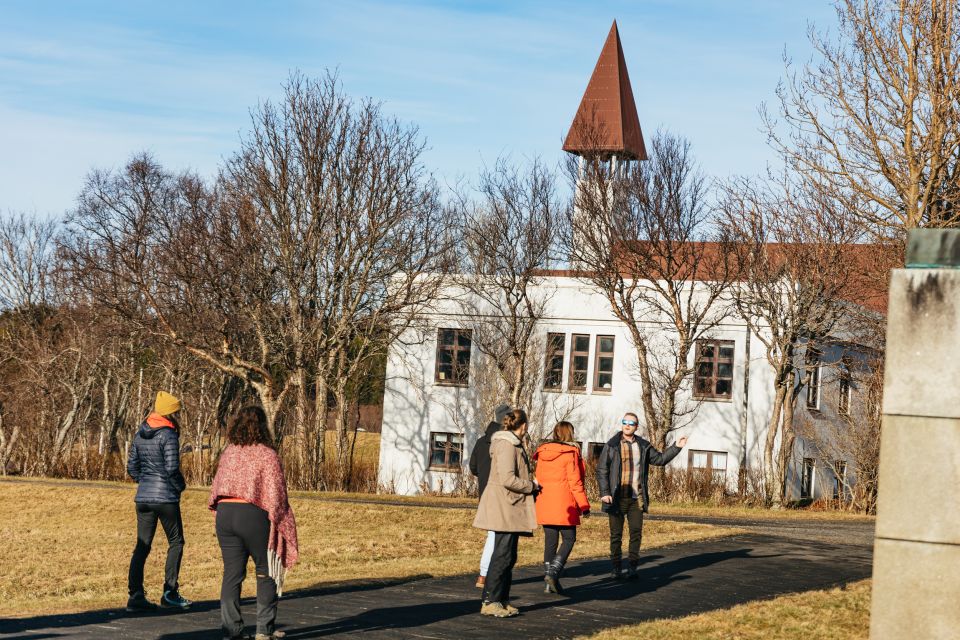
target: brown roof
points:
(606, 120)
(866, 286)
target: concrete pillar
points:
(916, 563)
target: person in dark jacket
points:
(480, 467)
(154, 463)
(622, 472)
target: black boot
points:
(617, 570)
(632, 572)
(552, 577)
(137, 602)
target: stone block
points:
(919, 478)
(923, 344)
(916, 588)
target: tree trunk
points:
(769, 470)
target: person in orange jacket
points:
(561, 501)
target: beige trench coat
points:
(507, 503)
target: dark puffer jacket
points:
(609, 467)
(154, 462)
(480, 457)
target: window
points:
(579, 359)
(603, 366)
(813, 385)
(839, 476)
(553, 373)
(843, 402)
(713, 462)
(713, 374)
(453, 357)
(594, 449)
(446, 451)
(806, 479)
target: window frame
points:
(447, 449)
(709, 468)
(454, 350)
(814, 363)
(716, 361)
(597, 354)
(573, 356)
(552, 353)
(844, 393)
(806, 480)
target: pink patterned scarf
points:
(253, 473)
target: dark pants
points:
(168, 513)
(551, 538)
(500, 574)
(242, 531)
(632, 511)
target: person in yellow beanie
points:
(154, 463)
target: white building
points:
(436, 406)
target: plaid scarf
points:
(629, 469)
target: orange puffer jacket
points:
(560, 473)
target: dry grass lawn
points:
(756, 513)
(834, 614)
(67, 545)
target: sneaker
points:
(512, 610)
(494, 609)
(481, 581)
(139, 602)
(276, 635)
(173, 600)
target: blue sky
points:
(87, 84)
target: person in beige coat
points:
(506, 508)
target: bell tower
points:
(606, 135)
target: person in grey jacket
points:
(622, 471)
(480, 467)
(154, 463)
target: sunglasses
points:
(629, 423)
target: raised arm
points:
(662, 459)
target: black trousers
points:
(632, 511)
(168, 513)
(242, 531)
(551, 540)
(500, 574)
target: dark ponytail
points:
(514, 420)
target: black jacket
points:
(154, 462)
(609, 469)
(480, 457)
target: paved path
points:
(675, 581)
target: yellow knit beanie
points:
(166, 404)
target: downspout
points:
(744, 415)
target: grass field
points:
(67, 544)
(834, 614)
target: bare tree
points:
(642, 235)
(873, 119)
(352, 226)
(509, 238)
(798, 272)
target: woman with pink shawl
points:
(254, 519)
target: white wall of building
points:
(415, 405)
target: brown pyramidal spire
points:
(606, 121)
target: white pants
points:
(487, 553)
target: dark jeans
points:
(551, 538)
(632, 511)
(168, 513)
(242, 531)
(500, 574)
